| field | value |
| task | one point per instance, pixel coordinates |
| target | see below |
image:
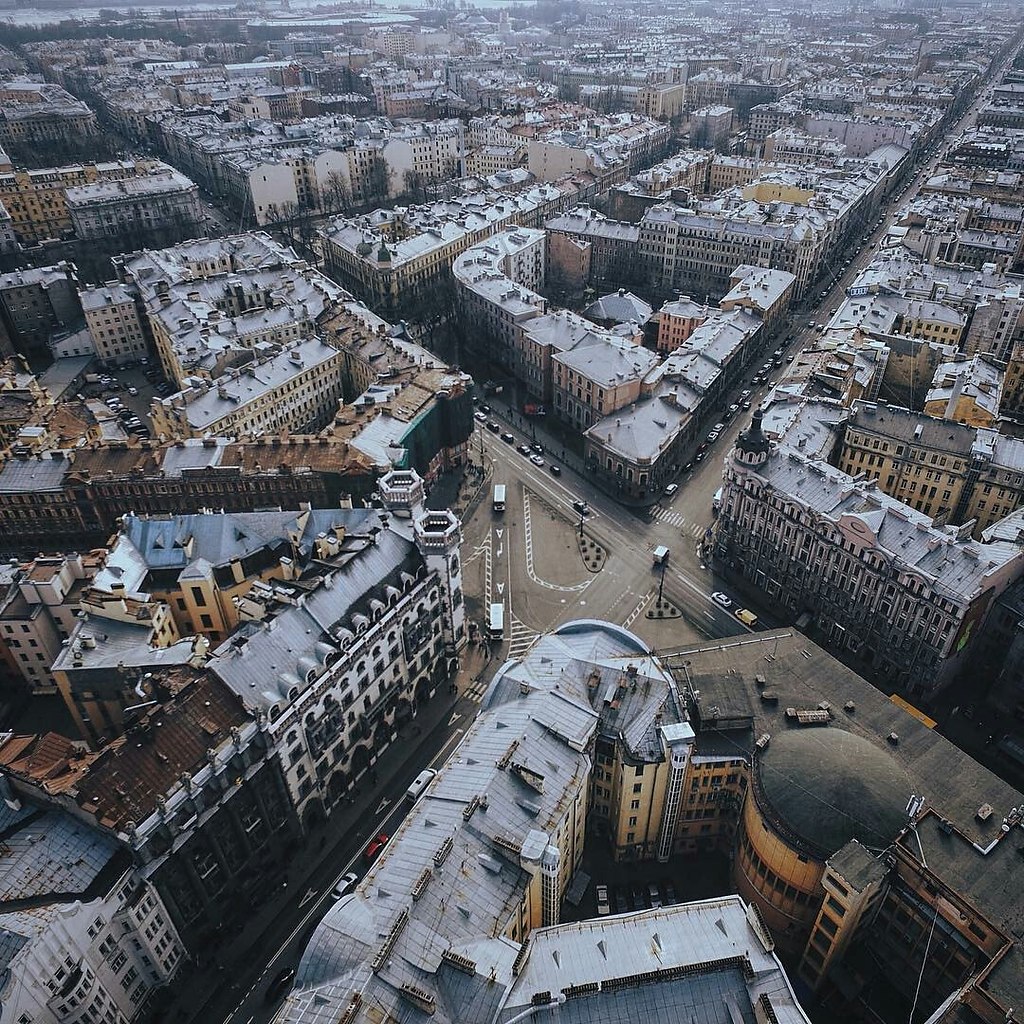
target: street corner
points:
(662, 632)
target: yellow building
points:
(967, 392)
(944, 469)
(36, 202)
(294, 389)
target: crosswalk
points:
(671, 517)
(475, 693)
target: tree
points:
(336, 195)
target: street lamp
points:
(661, 584)
(581, 526)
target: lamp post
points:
(661, 583)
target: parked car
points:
(670, 894)
(493, 427)
(524, 449)
(745, 405)
(555, 470)
(537, 460)
(654, 894)
(346, 884)
(485, 409)
(280, 984)
(621, 906)
(508, 438)
(713, 437)
(481, 416)
(581, 507)
(671, 489)
(133, 391)
(723, 599)
(603, 906)
(375, 847)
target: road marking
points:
(631, 617)
(499, 533)
(475, 693)
(455, 717)
(310, 895)
(382, 806)
(528, 523)
(501, 589)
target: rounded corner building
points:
(812, 791)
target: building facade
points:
(877, 579)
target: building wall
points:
(782, 881)
(116, 331)
(104, 958)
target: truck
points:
(92, 378)
(496, 622)
(660, 554)
(498, 504)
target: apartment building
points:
(678, 320)
(613, 244)
(421, 154)
(378, 631)
(209, 304)
(967, 391)
(60, 500)
(507, 821)
(612, 148)
(35, 304)
(38, 613)
(35, 199)
(195, 874)
(640, 449)
(294, 389)
(114, 324)
(36, 112)
(160, 204)
(950, 471)
(397, 259)
(495, 294)
(877, 579)
(90, 938)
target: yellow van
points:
(746, 617)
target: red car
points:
(372, 852)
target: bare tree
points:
(336, 195)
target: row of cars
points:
(748, 618)
(620, 899)
(534, 452)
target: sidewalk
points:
(331, 843)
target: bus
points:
(498, 504)
(496, 625)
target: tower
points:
(752, 447)
(438, 535)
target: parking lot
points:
(638, 885)
(128, 390)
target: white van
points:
(420, 783)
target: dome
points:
(825, 786)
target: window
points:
(198, 596)
(637, 787)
